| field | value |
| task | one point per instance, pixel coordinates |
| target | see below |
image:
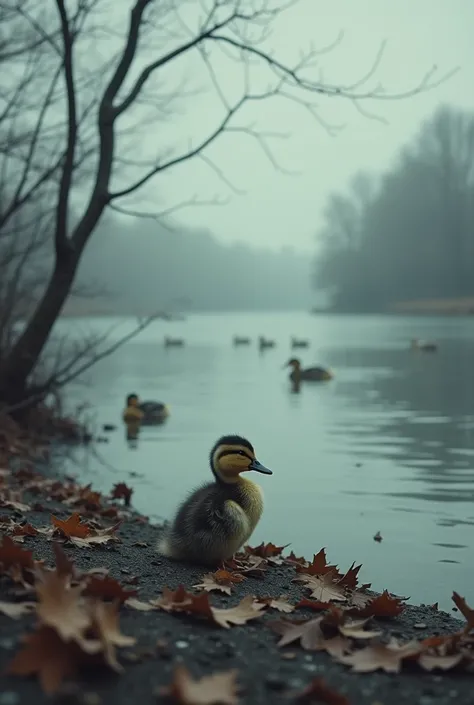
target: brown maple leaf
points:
(105, 620)
(46, 655)
(315, 605)
(242, 613)
(221, 580)
(319, 691)
(386, 657)
(466, 611)
(122, 491)
(384, 605)
(247, 565)
(11, 555)
(71, 527)
(60, 606)
(216, 689)
(265, 550)
(15, 610)
(107, 588)
(318, 566)
(324, 587)
(280, 603)
(355, 630)
(139, 605)
(429, 662)
(349, 579)
(310, 635)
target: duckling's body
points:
(416, 344)
(217, 519)
(146, 412)
(310, 374)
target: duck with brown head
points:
(217, 519)
(310, 374)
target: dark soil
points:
(267, 674)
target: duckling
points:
(173, 342)
(295, 343)
(314, 374)
(217, 519)
(416, 344)
(264, 343)
(240, 341)
(145, 412)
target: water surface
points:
(386, 446)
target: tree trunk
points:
(18, 366)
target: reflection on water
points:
(386, 446)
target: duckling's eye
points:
(241, 452)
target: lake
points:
(386, 446)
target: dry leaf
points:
(466, 611)
(281, 603)
(383, 605)
(318, 691)
(217, 689)
(319, 565)
(265, 550)
(72, 527)
(355, 630)
(139, 605)
(310, 635)
(105, 619)
(242, 613)
(387, 657)
(48, 656)
(16, 609)
(429, 662)
(107, 588)
(221, 580)
(349, 579)
(315, 605)
(323, 587)
(13, 555)
(60, 606)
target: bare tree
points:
(69, 134)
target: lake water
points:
(386, 446)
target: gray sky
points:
(278, 209)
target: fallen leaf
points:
(140, 544)
(64, 566)
(107, 588)
(378, 537)
(60, 606)
(281, 603)
(466, 611)
(139, 605)
(429, 662)
(292, 558)
(319, 565)
(11, 555)
(383, 605)
(310, 635)
(324, 587)
(122, 491)
(216, 689)
(221, 580)
(71, 527)
(46, 655)
(242, 613)
(386, 657)
(355, 630)
(316, 605)
(349, 579)
(105, 618)
(15, 610)
(318, 691)
(265, 550)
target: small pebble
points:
(274, 682)
(289, 655)
(419, 625)
(181, 644)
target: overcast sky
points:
(278, 209)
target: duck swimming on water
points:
(424, 346)
(145, 412)
(313, 374)
(217, 519)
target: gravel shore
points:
(266, 673)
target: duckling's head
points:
(294, 363)
(132, 400)
(232, 455)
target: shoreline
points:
(266, 673)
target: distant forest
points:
(409, 234)
(137, 266)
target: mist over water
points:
(386, 446)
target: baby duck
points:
(238, 340)
(217, 519)
(295, 343)
(173, 342)
(314, 374)
(145, 412)
(264, 343)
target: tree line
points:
(408, 234)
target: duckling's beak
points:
(258, 467)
